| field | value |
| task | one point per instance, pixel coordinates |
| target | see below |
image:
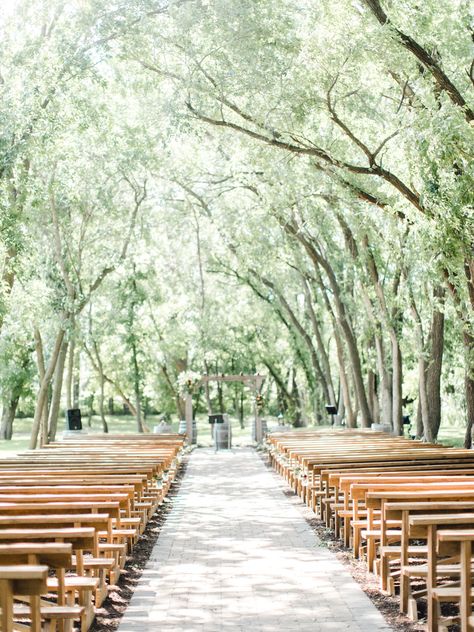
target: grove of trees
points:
(235, 186)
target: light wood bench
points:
(22, 580)
(68, 588)
(462, 539)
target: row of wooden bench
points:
(405, 507)
(70, 514)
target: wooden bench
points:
(369, 487)
(463, 539)
(21, 580)
(95, 497)
(68, 588)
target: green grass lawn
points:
(125, 424)
(452, 436)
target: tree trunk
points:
(345, 404)
(373, 395)
(57, 390)
(468, 343)
(424, 408)
(176, 396)
(469, 388)
(44, 439)
(429, 368)
(351, 343)
(43, 390)
(70, 373)
(220, 397)
(301, 331)
(385, 382)
(105, 426)
(284, 395)
(138, 411)
(100, 370)
(434, 365)
(297, 423)
(8, 417)
(207, 391)
(136, 388)
(241, 410)
(419, 421)
(90, 412)
(43, 430)
(320, 346)
(76, 380)
(397, 385)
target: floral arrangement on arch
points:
(187, 381)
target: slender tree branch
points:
(443, 82)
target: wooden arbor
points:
(254, 381)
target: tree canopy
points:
(238, 186)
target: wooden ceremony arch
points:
(254, 380)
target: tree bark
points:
(43, 390)
(57, 390)
(429, 367)
(70, 373)
(8, 416)
(385, 381)
(397, 385)
(435, 364)
(468, 340)
(100, 370)
(373, 396)
(285, 397)
(295, 395)
(136, 387)
(76, 381)
(345, 404)
(302, 332)
(103, 420)
(343, 320)
(320, 346)
(207, 390)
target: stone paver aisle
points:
(235, 555)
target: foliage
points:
(239, 186)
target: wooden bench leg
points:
(35, 614)
(466, 587)
(6, 604)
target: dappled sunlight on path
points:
(235, 555)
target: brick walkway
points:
(235, 555)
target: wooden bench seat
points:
(354, 479)
(26, 580)
(94, 498)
